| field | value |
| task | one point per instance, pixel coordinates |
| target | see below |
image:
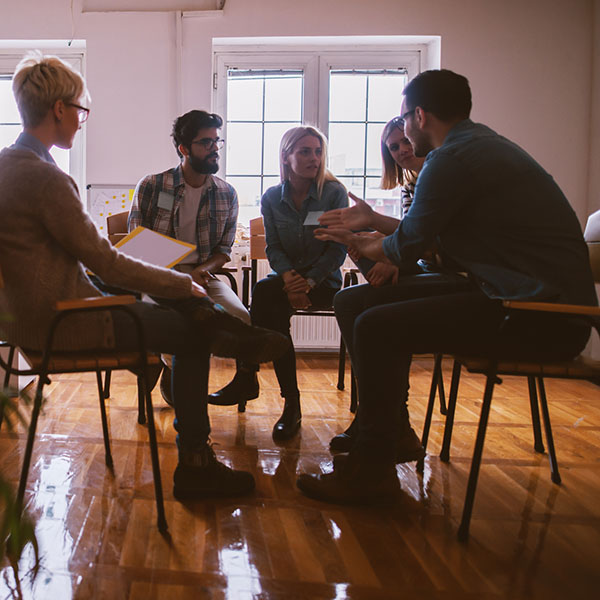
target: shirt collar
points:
(286, 191)
(26, 141)
(458, 129)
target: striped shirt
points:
(157, 200)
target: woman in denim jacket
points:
(305, 271)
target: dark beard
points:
(202, 166)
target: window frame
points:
(316, 60)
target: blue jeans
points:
(170, 329)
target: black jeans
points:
(271, 309)
(171, 329)
(467, 322)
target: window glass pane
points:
(273, 134)
(244, 99)
(283, 98)
(374, 161)
(386, 202)
(385, 96)
(61, 156)
(347, 97)
(248, 191)
(243, 148)
(270, 182)
(354, 185)
(8, 106)
(347, 148)
(8, 134)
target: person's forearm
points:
(384, 224)
(214, 262)
(372, 248)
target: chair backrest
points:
(592, 238)
(258, 241)
(116, 226)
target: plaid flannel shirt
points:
(217, 213)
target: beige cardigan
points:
(46, 238)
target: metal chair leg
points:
(445, 453)
(105, 433)
(463, 530)
(538, 444)
(158, 491)
(353, 393)
(440, 383)
(341, 365)
(554, 474)
(106, 390)
(141, 410)
(429, 412)
(35, 413)
(9, 362)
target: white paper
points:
(154, 248)
(312, 217)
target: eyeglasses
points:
(398, 122)
(82, 112)
(408, 112)
(207, 143)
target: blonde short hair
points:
(290, 139)
(39, 81)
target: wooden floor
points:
(529, 538)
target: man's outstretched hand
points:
(354, 217)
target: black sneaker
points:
(200, 474)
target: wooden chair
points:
(258, 246)
(536, 371)
(50, 362)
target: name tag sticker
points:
(312, 217)
(166, 200)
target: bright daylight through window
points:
(10, 123)
(262, 104)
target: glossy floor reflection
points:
(98, 539)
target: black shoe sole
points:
(212, 399)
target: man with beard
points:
(190, 203)
(497, 218)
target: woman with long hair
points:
(305, 271)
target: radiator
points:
(308, 333)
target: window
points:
(71, 161)
(348, 94)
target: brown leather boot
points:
(357, 481)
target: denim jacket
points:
(496, 214)
(291, 244)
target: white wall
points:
(529, 63)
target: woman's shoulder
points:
(335, 186)
(272, 193)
